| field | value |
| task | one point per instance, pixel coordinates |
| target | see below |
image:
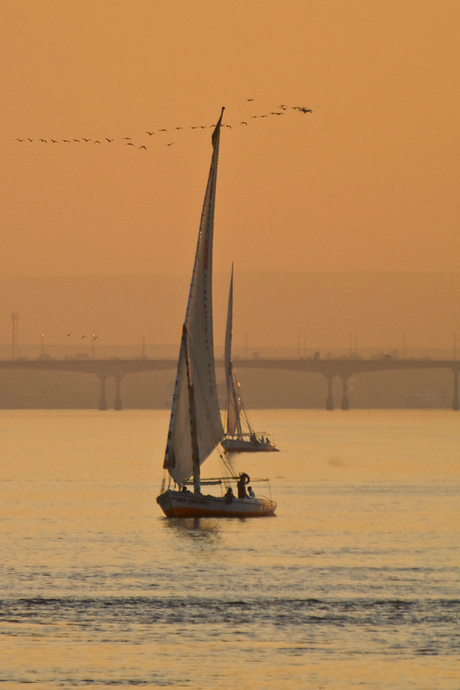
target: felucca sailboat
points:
(195, 427)
(240, 437)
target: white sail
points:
(200, 350)
(233, 409)
(228, 332)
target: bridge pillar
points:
(102, 399)
(345, 399)
(329, 399)
(118, 404)
(455, 401)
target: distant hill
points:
(295, 313)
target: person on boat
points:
(229, 495)
(251, 492)
(241, 485)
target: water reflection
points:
(195, 530)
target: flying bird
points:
(130, 143)
(97, 141)
(109, 140)
(143, 147)
(86, 139)
(249, 99)
(150, 133)
(21, 140)
(163, 130)
(243, 123)
(170, 143)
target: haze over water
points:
(354, 583)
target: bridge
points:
(329, 368)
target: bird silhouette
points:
(243, 123)
(170, 143)
(143, 147)
(163, 130)
(97, 141)
(109, 140)
(130, 143)
(126, 138)
(21, 140)
(249, 99)
(54, 141)
(86, 139)
(150, 133)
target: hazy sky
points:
(369, 180)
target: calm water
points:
(354, 585)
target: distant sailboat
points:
(195, 427)
(240, 437)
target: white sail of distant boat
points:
(240, 437)
(195, 427)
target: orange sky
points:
(369, 180)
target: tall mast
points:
(195, 408)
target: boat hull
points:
(187, 504)
(238, 445)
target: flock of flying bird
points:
(127, 141)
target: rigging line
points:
(227, 465)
